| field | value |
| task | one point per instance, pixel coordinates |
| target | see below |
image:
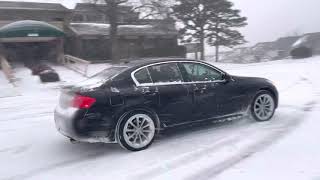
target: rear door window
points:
(142, 76)
(165, 73)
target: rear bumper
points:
(72, 124)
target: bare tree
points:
(155, 9)
(111, 11)
(149, 8)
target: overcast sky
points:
(268, 19)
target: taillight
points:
(83, 102)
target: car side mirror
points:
(226, 77)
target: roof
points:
(128, 30)
(264, 43)
(94, 7)
(285, 42)
(14, 5)
(308, 40)
(29, 28)
(315, 34)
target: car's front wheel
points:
(137, 131)
(263, 106)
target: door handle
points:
(200, 90)
(147, 91)
(203, 88)
(150, 93)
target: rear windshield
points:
(101, 77)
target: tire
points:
(263, 106)
(136, 131)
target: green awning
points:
(29, 28)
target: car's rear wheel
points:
(263, 106)
(136, 131)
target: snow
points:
(294, 157)
(300, 41)
(297, 155)
(284, 148)
(6, 89)
(101, 25)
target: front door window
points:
(201, 73)
(203, 81)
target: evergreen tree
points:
(212, 20)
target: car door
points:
(231, 97)
(146, 91)
(215, 93)
(202, 83)
(175, 101)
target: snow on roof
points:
(94, 7)
(300, 41)
(129, 30)
(14, 5)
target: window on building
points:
(95, 18)
(58, 19)
(149, 44)
(78, 18)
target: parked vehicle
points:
(49, 76)
(37, 69)
(45, 72)
(130, 103)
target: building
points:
(137, 37)
(283, 45)
(262, 51)
(28, 40)
(85, 33)
(52, 13)
(306, 46)
(95, 13)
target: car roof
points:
(145, 62)
(132, 65)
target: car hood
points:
(257, 79)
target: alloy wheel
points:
(264, 107)
(139, 131)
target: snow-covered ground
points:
(284, 148)
(6, 89)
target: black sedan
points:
(131, 102)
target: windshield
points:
(100, 78)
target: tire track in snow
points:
(61, 164)
(214, 170)
(185, 161)
(169, 165)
